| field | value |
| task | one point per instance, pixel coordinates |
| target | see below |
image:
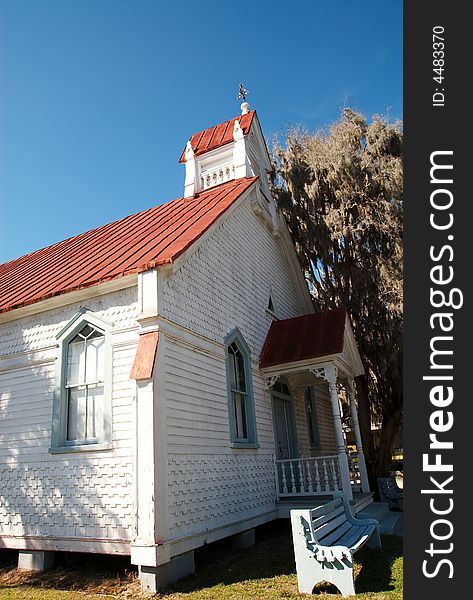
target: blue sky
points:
(98, 98)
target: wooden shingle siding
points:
(84, 495)
(225, 283)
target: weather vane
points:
(243, 92)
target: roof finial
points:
(243, 93)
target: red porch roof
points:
(301, 338)
(218, 135)
(131, 245)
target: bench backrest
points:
(325, 519)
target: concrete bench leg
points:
(35, 560)
(311, 572)
(154, 579)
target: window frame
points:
(312, 416)
(273, 313)
(59, 442)
(251, 441)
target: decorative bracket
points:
(329, 373)
(270, 381)
(320, 373)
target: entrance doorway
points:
(284, 427)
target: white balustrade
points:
(353, 465)
(218, 175)
(308, 476)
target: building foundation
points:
(154, 579)
(35, 560)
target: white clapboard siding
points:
(301, 422)
(328, 444)
(210, 484)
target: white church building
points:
(164, 379)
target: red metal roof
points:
(301, 338)
(131, 245)
(218, 135)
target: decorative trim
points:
(329, 373)
(270, 381)
(71, 544)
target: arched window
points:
(271, 306)
(82, 400)
(240, 391)
(85, 385)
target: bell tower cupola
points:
(230, 150)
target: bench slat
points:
(363, 539)
(323, 509)
(332, 538)
(350, 539)
(319, 521)
(321, 532)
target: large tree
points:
(341, 193)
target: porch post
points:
(365, 486)
(331, 378)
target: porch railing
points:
(355, 476)
(313, 476)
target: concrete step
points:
(390, 521)
(286, 504)
(361, 501)
(375, 510)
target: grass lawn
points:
(265, 572)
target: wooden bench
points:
(325, 539)
(390, 492)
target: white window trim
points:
(60, 400)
